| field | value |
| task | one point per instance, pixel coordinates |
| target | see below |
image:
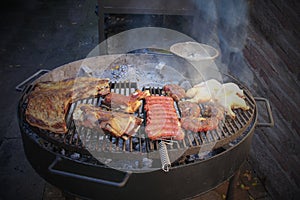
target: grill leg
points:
(232, 184)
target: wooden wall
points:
(272, 51)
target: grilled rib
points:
(162, 120)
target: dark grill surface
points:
(228, 131)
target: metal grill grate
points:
(227, 131)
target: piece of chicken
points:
(228, 95)
(199, 94)
(204, 91)
(116, 123)
(231, 101)
(232, 88)
(212, 84)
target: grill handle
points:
(22, 85)
(87, 178)
(164, 157)
(270, 115)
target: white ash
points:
(107, 161)
(63, 152)
(75, 156)
(145, 75)
(147, 163)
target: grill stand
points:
(230, 194)
(232, 183)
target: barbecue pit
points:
(200, 162)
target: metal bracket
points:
(23, 85)
(58, 159)
(271, 120)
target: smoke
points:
(224, 25)
(220, 24)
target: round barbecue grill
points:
(134, 166)
(91, 164)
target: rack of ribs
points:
(162, 121)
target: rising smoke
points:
(224, 25)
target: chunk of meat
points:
(174, 91)
(199, 124)
(210, 118)
(188, 108)
(204, 91)
(232, 88)
(231, 97)
(230, 102)
(228, 95)
(199, 94)
(116, 123)
(49, 102)
(213, 110)
(212, 84)
(162, 120)
(128, 104)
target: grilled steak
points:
(128, 104)
(115, 123)
(174, 91)
(49, 102)
(162, 120)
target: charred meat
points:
(174, 91)
(116, 123)
(189, 109)
(49, 102)
(211, 116)
(128, 104)
(199, 124)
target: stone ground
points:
(44, 34)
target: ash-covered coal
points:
(149, 70)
